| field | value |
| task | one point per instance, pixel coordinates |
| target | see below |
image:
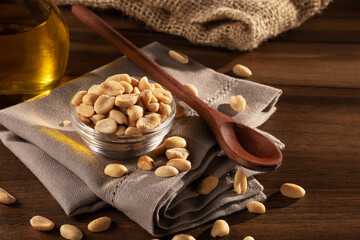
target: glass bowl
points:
(121, 147)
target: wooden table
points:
(318, 68)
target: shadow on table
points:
(277, 200)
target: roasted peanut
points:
(180, 164)
(100, 224)
(153, 99)
(180, 110)
(160, 150)
(164, 109)
(66, 123)
(175, 142)
(70, 232)
(179, 57)
(183, 236)
(134, 82)
(119, 78)
(126, 100)
(97, 117)
(77, 99)
(240, 182)
(112, 88)
(106, 125)
(192, 88)
(242, 71)
(118, 116)
(128, 88)
(220, 228)
(115, 170)
(120, 131)
(84, 119)
(90, 98)
(166, 171)
(145, 97)
(153, 107)
(248, 238)
(162, 95)
(177, 153)
(291, 190)
(237, 103)
(133, 131)
(156, 85)
(148, 122)
(131, 122)
(104, 104)
(144, 84)
(6, 198)
(255, 207)
(41, 223)
(207, 185)
(85, 110)
(96, 89)
(135, 112)
(136, 90)
(145, 163)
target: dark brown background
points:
(318, 68)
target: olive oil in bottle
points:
(34, 46)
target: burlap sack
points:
(238, 24)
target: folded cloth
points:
(74, 175)
(240, 24)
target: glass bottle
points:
(34, 47)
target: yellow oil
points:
(34, 47)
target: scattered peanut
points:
(106, 125)
(179, 57)
(220, 228)
(255, 207)
(77, 99)
(192, 88)
(240, 182)
(41, 223)
(100, 224)
(160, 150)
(291, 190)
(207, 185)
(145, 163)
(66, 123)
(115, 170)
(6, 198)
(249, 238)
(175, 142)
(177, 153)
(180, 164)
(70, 232)
(183, 236)
(180, 110)
(242, 71)
(237, 103)
(166, 171)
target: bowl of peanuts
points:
(122, 117)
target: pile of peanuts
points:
(123, 105)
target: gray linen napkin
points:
(74, 175)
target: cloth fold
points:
(239, 24)
(73, 174)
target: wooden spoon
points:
(240, 143)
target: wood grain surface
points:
(318, 118)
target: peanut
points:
(255, 207)
(177, 153)
(128, 88)
(153, 107)
(77, 99)
(104, 104)
(183, 236)
(248, 238)
(100, 224)
(112, 88)
(118, 116)
(144, 84)
(220, 228)
(237, 103)
(126, 100)
(6, 198)
(85, 120)
(148, 122)
(175, 142)
(66, 123)
(153, 99)
(119, 78)
(133, 131)
(70, 232)
(136, 90)
(131, 122)
(120, 131)
(207, 185)
(179, 57)
(291, 190)
(180, 110)
(162, 95)
(97, 117)
(160, 150)
(134, 82)
(156, 85)
(85, 110)
(106, 125)
(135, 112)
(164, 109)
(166, 171)
(96, 89)
(145, 163)
(240, 182)
(180, 164)
(241, 71)
(115, 170)
(145, 97)
(41, 223)
(192, 88)
(90, 98)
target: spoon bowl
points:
(244, 145)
